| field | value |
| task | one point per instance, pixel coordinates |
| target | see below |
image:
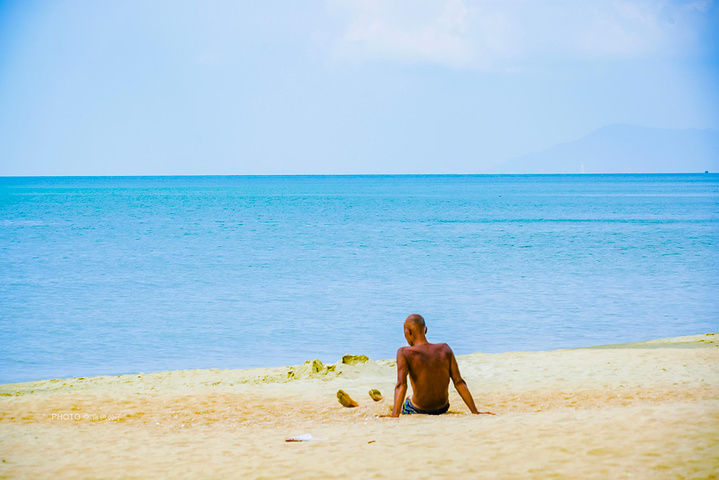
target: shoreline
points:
(649, 409)
(686, 341)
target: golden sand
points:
(646, 410)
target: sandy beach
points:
(644, 410)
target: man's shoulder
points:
(444, 348)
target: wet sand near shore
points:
(646, 410)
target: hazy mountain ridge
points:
(621, 148)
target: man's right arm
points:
(461, 386)
(400, 389)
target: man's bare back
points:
(430, 366)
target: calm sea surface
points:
(119, 275)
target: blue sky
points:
(298, 87)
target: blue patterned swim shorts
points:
(408, 409)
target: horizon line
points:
(166, 175)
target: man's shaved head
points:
(416, 320)
(415, 329)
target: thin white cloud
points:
(505, 33)
(426, 31)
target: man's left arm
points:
(461, 386)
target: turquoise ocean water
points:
(128, 274)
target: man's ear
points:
(425, 330)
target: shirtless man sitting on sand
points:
(430, 367)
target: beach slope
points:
(643, 410)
